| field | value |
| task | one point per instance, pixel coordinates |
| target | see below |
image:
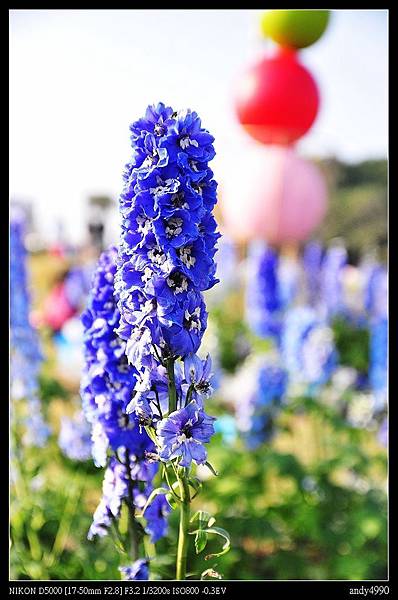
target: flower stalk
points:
(182, 547)
(172, 385)
(182, 478)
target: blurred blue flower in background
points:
(312, 266)
(260, 386)
(307, 348)
(382, 435)
(226, 425)
(227, 271)
(75, 437)
(289, 280)
(378, 360)
(376, 293)
(333, 263)
(77, 285)
(263, 295)
(26, 356)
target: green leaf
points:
(200, 541)
(205, 523)
(172, 502)
(224, 534)
(196, 484)
(202, 516)
(211, 468)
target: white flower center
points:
(186, 141)
(156, 255)
(163, 186)
(192, 320)
(147, 274)
(147, 162)
(179, 286)
(174, 228)
(186, 258)
(144, 224)
(177, 200)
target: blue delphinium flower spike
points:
(165, 263)
(26, 356)
(107, 389)
(307, 348)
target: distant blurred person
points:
(96, 231)
(57, 308)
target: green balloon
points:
(294, 28)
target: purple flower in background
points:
(227, 271)
(312, 264)
(375, 299)
(37, 431)
(334, 261)
(114, 489)
(262, 384)
(263, 297)
(307, 348)
(74, 438)
(25, 353)
(138, 571)
(77, 285)
(157, 518)
(183, 434)
(376, 294)
(378, 367)
(288, 280)
(382, 435)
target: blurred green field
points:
(310, 506)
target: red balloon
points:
(277, 99)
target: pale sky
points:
(79, 77)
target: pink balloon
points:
(283, 200)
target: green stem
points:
(181, 474)
(182, 548)
(134, 546)
(170, 485)
(172, 385)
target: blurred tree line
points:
(357, 205)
